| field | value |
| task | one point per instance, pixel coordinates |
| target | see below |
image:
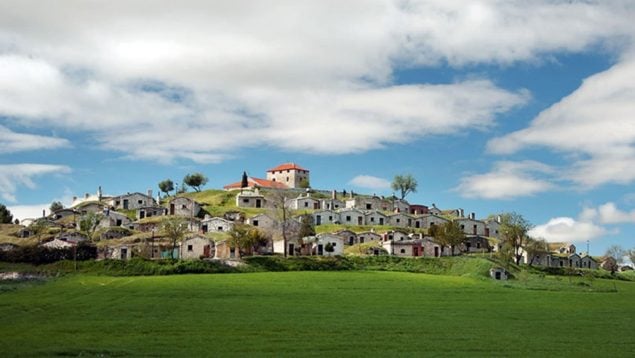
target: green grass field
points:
(312, 313)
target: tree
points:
(244, 181)
(39, 227)
(5, 215)
(450, 234)
(534, 248)
(56, 206)
(281, 213)
(166, 186)
(513, 230)
(195, 180)
(306, 230)
(304, 183)
(404, 184)
(174, 228)
(245, 238)
(616, 252)
(631, 255)
(89, 223)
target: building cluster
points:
(377, 225)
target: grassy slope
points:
(311, 313)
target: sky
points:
(493, 106)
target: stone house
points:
(401, 206)
(475, 243)
(332, 204)
(400, 220)
(348, 237)
(262, 221)
(374, 217)
(250, 199)
(182, 206)
(64, 213)
(430, 220)
(121, 252)
(325, 217)
(150, 211)
(224, 251)
(58, 244)
(132, 201)
(111, 218)
(290, 174)
(417, 209)
(471, 226)
(91, 207)
(323, 241)
(367, 236)
(350, 216)
(405, 248)
(395, 235)
(492, 227)
(588, 262)
(196, 247)
(305, 202)
(368, 203)
(215, 224)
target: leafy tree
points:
(329, 248)
(39, 227)
(166, 186)
(307, 225)
(513, 230)
(304, 183)
(56, 206)
(616, 252)
(631, 255)
(89, 223)
(245, 238)
(16, 221)
(5, 215)
(174, 228)
(450, 234)
(195, 180)
(404, 184)
(535, 247)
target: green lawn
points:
(312, 313)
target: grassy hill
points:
(311, 314)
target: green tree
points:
(304, 183)
(450, 234)
(39, 227)
(195, 180)
(534, 248)
(631, 255)
(513, 231)
(5, 215)
(245, 238)
(56, 206)
(174, 228)
(166, 186)
(89, 223)
(404, 184)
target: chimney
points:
(461, 213)
(43, 212)
(473, 216)
(74, 199)
(99, 194)
(498, 219)
(333, 194)
(86, 196)
(150, 192)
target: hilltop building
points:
(284, 176)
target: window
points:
(287, 178)
(306, 204)
(220, 228)
(372, 219)
(333, 244)
(361, 240)
(398, 221)
(245, 201)
(190, 248)
(254, 222)
(403, 251)
(330, 218)
(369, 206)
(348, 218)
(139, 202)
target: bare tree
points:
(282, 215)
(535, 248)
(616, 252)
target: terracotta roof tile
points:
(262, 183)
(286, 166)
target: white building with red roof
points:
(290, 174)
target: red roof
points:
(262, 183)
(286, 166)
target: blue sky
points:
(492, 105)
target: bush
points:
(39, 255)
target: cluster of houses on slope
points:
(392, 221)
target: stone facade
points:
(290, 174)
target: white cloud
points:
(198, 80)
(370, 182)
(565, 229)
(595, 123)
(12, 142)
(507, 180)
(608, 213)
(13, 176)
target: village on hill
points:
(280, 214)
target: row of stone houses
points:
(561, 255)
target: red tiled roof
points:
(262, 183)
(286, 166)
